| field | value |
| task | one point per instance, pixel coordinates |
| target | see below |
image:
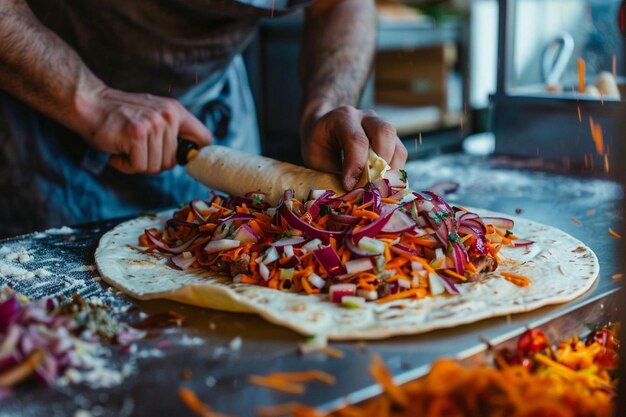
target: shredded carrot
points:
(614, 234)
(381, 374)
(332, 352)
(277, 384)
(191, 400)
(517, 279)
(310, 375)
(575, 220)
(455, 275)
(596, 135)
(416, 292)
(581, 75)
(617, 276)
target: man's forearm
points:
(339, 41)
(40, 69)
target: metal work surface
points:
(585, 208)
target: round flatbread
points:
(560, 266)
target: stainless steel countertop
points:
(219, 374)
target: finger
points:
(355, 145)
(155, 147)
(400, 155)
(321, 151)
(382, 136)
(169, 147)
(170, 143)
(193, 130)
(121, 163)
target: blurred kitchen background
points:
(448, 70)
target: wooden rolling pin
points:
(236, 173)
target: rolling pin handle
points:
(185, 151)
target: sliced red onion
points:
(344, 218)
(382, 185)
(459, 258)
(164, 248)
(270, 255)
(330, 261)
(182, 262)
(447, 283)
(236, 216)
(220, 245)
(398, 223)
(316, 280)
(425, 205)
(436, 284)
(289, 241)
(297, 223)
(9, 313)
(355, 249)
(461, 216)
(9, 360)
(288, 251)
(375, 198)
(311, 245)
(245, 234)
(518, 243)
(338, 291)
(313, 211)
(264, 271)
(467, 230)
(400, 249)
(395, 178)
(358, 265)
(499, 222)
(476, 225)
(377, 225)
(444, 187)
(199, 206)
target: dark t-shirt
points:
(163, 47)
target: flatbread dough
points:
(560, 266)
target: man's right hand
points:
(140, 131)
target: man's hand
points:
(140, 130)
(348, 132)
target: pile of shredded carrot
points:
(573, 380)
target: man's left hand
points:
(340, 139)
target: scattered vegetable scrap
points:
(161, 320)
(379, 243)
(576, 221)
(617, 276)
(614, 234)
(56, 340)
(290, 382)
(191, 400)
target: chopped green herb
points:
(257, 199)
(403, 176)
(324, 210)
